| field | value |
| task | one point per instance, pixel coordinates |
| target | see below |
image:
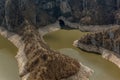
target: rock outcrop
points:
(2, 10)
(65, 24)
(44, 12)
(106, 43)
(44, 63)
(37, 61)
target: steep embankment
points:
(44, 12)
(107, 43)
(85, 28)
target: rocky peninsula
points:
(36, 61)
(23, 23)
(105, 43)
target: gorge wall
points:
(36, 61)
(43, 12)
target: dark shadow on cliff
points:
(64, 26)
(90, 52)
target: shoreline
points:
(22, 59)
(106, 54)
(49, 28)
(87, 28)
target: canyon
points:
(23, 23)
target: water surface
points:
(62, 41)
(8, 63)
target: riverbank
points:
(49, 28)
(106, 54)
(62, 41)
(8, 63)
(17, 41)
(105, 43)
(25, 64)
(87, 28)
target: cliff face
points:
(2, 10)
(43, 12)
(36, 60)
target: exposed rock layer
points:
(44, 63)
(37, 61)
(44, 12)
(85, 28)
(107, 43)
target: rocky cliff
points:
(2, 10)
(43, 12)
(44, 63)
(106, 43)
(36, 61)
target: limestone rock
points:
(106, 43)
(36, 61)
(44, 12)
(65, 7)
(13, 15)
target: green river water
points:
(62, 41)
(8, 63)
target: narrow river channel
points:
(8, 63)
(62, 41)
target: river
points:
(8, 63)
(62, 41)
